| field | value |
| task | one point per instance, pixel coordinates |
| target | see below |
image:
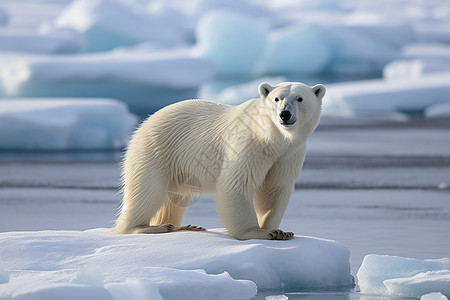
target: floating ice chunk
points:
(110, 23)
(433, 296)
(422, 283)
(234, 42)
(295, 50)
(413, 69)
(146, 82)
(438, 111)
(392, 275)
(202, 265)
(4, 276)
(64, 124)
(42, 41)
(379, 96)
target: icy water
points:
(377, 186)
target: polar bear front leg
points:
(273, 195)
(235, 200)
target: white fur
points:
(244, 154)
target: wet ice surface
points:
(377, 187)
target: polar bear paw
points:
(281, 235)
(190, 227)
(154, 229)
(264, 234)
(163, 228)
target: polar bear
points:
(249, 155)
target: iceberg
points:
(107, 24)
(234, 42)
(145, 81)
(403, 277)
(178, 265)
(295, 50)
(237, 94)
(361, 49)
(45, 40)
(429, 52)
(64, 124)
(380, 96)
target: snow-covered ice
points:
(64, 124)
(145, 81)
(404, 277)
(198, 265)
(413, 69)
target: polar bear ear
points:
(264, 89)
(319, 90)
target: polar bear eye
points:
(300, 99)
(276, 99)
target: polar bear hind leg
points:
(150, 208)
(172, 212)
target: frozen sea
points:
(378, 186)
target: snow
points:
(379, 96)
(44, 40)
(203, 265)
(64, 124)
(404, 277)
(145, 81)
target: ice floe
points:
(196, 265)
(403, 277)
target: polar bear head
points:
(291, 104)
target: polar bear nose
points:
(285, 115)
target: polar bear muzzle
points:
(285, 117)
